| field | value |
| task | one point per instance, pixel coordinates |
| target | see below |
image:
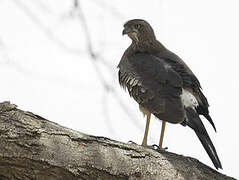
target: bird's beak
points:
(132, 33)
(126, 31)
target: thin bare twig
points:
(105, 110)
(94, 57)
(47, 31)
(43, 7)
(114, 11)
(8, 60)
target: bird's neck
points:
(152, 46)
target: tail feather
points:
(210, 149)
(193, 121)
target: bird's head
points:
(138, 30)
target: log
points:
(34, 148)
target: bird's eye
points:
(137, 26)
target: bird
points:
(163, 85)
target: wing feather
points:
(191, 82)
(154, 85)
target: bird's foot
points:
(154, 146)
(157, 148)
(131, 142)
(144, 144)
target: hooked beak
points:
(126, 31)
(132, 33)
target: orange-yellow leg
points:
(144, 143)
(162, 134)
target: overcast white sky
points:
(45, 66)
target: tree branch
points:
(32, 147)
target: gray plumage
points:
(154, 85)
(156, 78)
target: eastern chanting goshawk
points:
(163, 85)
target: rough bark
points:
(33, 148)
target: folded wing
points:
(154, 85)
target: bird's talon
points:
(131, 142)
(166, 148)
(158, 148)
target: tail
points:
(193, 121)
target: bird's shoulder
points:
(190, 81)
(150, 68)
(188, 77)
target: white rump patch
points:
(188, 99)
(167, 66)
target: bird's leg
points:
(144, 143)
(162, 134)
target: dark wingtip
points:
(208, 117)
